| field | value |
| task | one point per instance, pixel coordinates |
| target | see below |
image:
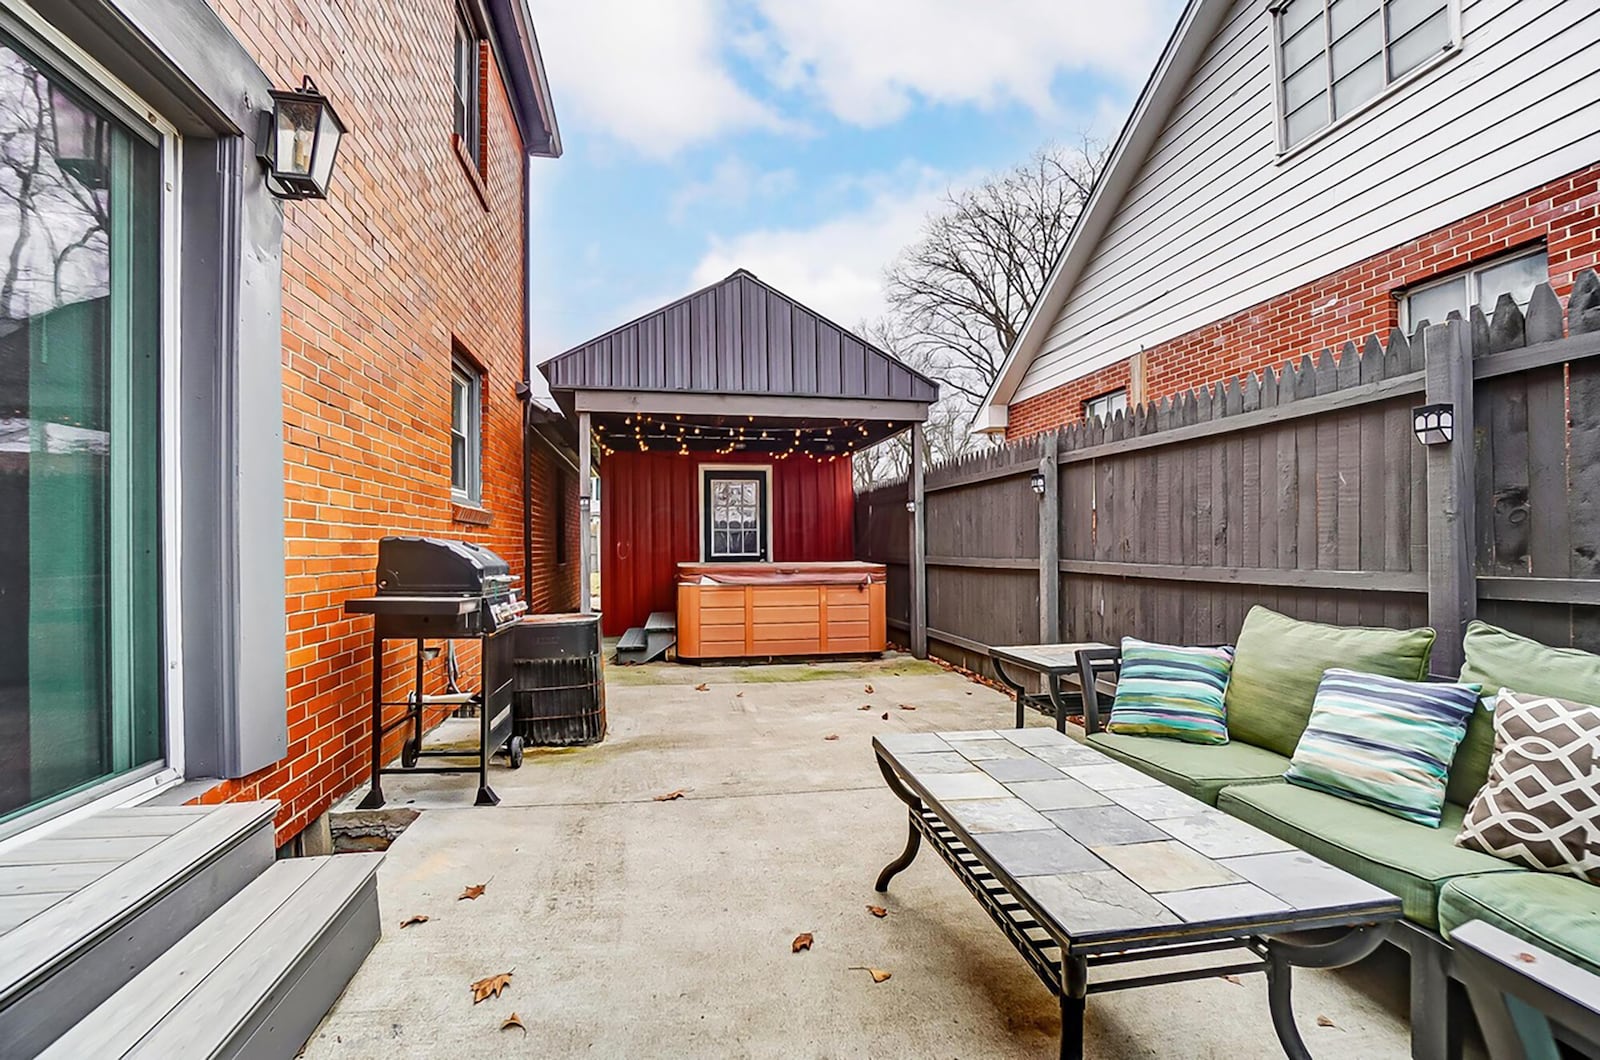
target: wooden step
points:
(254, 979)
(88, 906)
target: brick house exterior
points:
(1345, 306)
(1253, 211)
(415, 260)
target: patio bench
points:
(1526, 999)
(1441, 886)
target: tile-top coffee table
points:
(1084, 862)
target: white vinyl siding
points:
(1216, 222)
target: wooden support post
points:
(1452, 577)
(585, 507)
(919, 550)
(1050, 545)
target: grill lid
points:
(433, 566)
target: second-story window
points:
(1335, 55)
(468, 115)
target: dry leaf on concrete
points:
(676, 793)
(869, 690)
(416, 919)
(907, 706)
(472, 893)
(865, 706)
(801, 941)
(878, 911)
(886, 715)
(1323, 1021)
(490, 987)
(831, 736)
(514, 1020)
(702, 687)
(1234, 979)
(879, 975)
(738, 695)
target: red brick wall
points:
(1352, 303)
(409, 258)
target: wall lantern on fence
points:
(911, 506)
(1434, 424)
(1037, 482)
(299, 141)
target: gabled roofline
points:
(1187, 44)
(523, 66)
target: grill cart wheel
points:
(514, 752)
(408, 752)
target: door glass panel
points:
(80, 588)
(735, 515)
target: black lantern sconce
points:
(1037, 482)
(82, 138)
(299, 141)
(1434, 424)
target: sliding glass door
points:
(80, 364)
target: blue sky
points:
(804, 140)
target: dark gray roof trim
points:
(523, 67)
(737, 336)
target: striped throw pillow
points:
(1384, 741)
(1172, 692)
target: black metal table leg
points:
(1074, 995)
(374, 798)
(1283, 956)
(913, 839)
(1053, 682)
(1005, 679)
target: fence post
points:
(1050, 544)
(1452, 577)
(919, 550)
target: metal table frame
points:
(1063, 966)
(1056, 701)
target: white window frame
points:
(467, 374)
(468, 124)
(147, 781)
(1474, 279)
(1104, 402)
(1275, 11)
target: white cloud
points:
(836, 266)
(651, 75)
(733, 183)
(869, 62)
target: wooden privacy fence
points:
(1303, 489)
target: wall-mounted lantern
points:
(911, 506)
(1037, 482)
(299, 141)
(82, 138)
(1434, 424)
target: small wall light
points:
(299, 141)
(1037, 482)
(911, 506)
(1434, 424)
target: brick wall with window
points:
(408, 264)
(1562, 218)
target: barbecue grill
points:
(433, 589)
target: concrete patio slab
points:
(642, 929)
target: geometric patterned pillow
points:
(1541, 806)
(1175, 692)
(1383, 741)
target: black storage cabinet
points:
(558, 680)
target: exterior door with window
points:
(735, 516)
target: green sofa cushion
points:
(1279, 661)
(1410, 860)
(1496, 658)
(1197, 770)
(1559, 913)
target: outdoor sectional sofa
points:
(1441, 886)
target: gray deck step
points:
(661, 622)
(254, 979)
(86, 907)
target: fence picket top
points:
(1349, 365)
(1232, 399)
(1269, 387)
(1252, 392)
(1417, 360)
(1372, 360)
(1543, 323)
(1397, 355)
(1305, 378)
(1583, 305)
(1506, 330)
(1326, 379)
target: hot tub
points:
(761, 610)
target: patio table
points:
(1057, 664)
(1088, 864)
